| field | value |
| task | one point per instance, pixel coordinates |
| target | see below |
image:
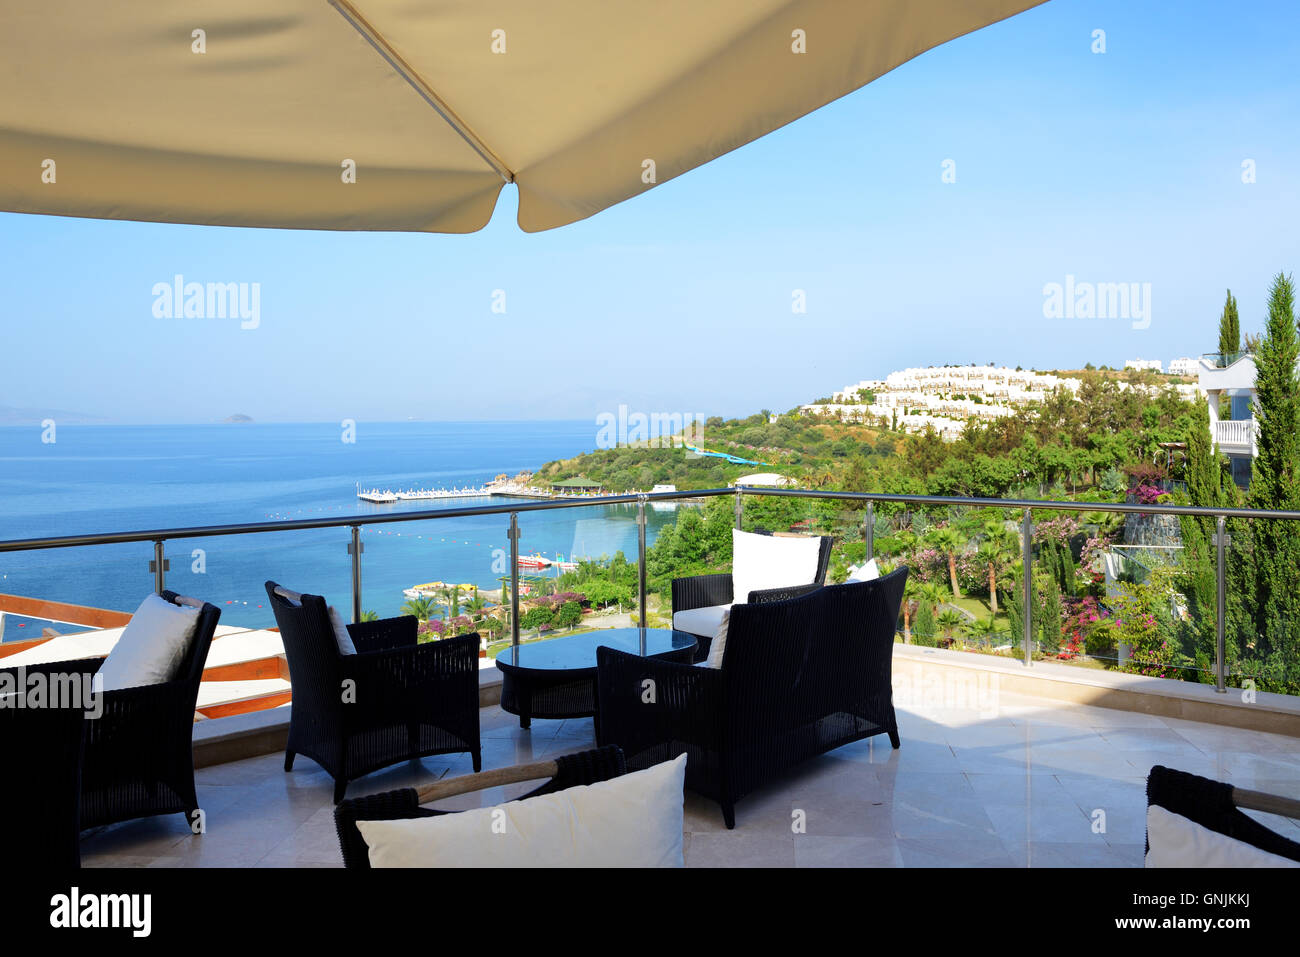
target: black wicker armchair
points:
(708, 591)
(394, 700)
(138, 757)
(799, 677)
(569, 770)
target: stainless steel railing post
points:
(640, 559)
(869, 530)
(159, 567)
(514, 578)
(1221, 623)
(1027, 597)
(354, 549)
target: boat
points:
(436, 589)
(534, 561)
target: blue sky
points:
(1117, 167)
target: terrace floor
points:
(1021, 785)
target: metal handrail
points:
(348, 521)
(354, 522)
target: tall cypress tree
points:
(1275, 483)
(1229, 327)
(1206, 487)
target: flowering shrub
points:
(1149, 494)
(555, 601)
(1087, 628)
(1059, 530)
(1158, 661)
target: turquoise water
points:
(119, 478)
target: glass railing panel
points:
(98, 583)
(231, 571)
(1262, 628)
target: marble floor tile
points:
(1027, 783)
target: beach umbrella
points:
(410, 115)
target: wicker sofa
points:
(410, 700)
(799, 677)
(709, 595)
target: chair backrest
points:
(309, 647)
(1211, 805)
(824, 558)
(786, 657)
(572, 770)
(191, 666)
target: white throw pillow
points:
(341, 636)
(1176, 841)
(719, 645)
(630, 821)
(151, 646)
(865, 573)
(700, 621)
(766, 561)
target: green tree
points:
(948, 541)
(1207, 487)
(1273, 605)
(949, 621)
(1229, 328)
(569, 615)
(421, 607)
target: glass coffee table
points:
(556, 678)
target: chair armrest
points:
(399, 632)
(701, 591)
(761, 596)
(74, 666)
(157, 710)
(687, 705)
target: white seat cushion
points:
(766, 561)
(719, 645)
(1177, 841)
(865, 573)
(700, 621)
(630, 821)
(152, 645)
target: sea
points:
(110, 478)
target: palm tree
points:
(933, 594)
(982, 627)
(451, 598)
(421, 607)
(950, 620)
(476, 605)
(910, 591)
(370, 616)
(990, 555)
(948, 541)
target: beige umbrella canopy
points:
(412, 114)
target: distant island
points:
(238, 417)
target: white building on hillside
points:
(1141, 364)
(1183, 367)
(1230, 391)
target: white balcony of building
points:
(1237, 436)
